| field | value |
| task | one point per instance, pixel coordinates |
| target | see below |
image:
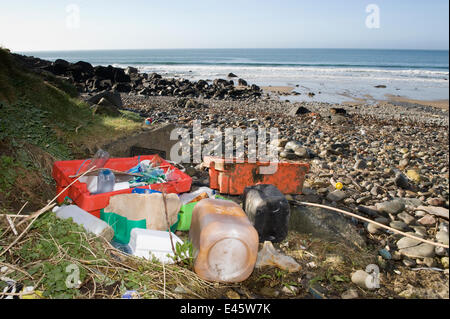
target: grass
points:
(40, 114)
(61, 260)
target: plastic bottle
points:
(106, 181)
(225, 242)
(90, 223)
(268, 210)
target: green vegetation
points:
(184, 254)
(8, 173)
(41, 121)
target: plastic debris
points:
(151, 174)
(269, 256)
(131, 294)
(90, 223)
(225, 241)
(268, 210)
(128, 211)
(30, 293)
(147, 244)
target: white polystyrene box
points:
(146, 243)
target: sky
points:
(48, 25)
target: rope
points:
(373, 222)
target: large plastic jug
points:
(225, 242)
(268, 210)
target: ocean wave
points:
(293, 73)
(290, 64)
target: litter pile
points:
(140, 206)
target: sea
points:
(334, 75)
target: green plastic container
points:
(122, 226)
(185, 214)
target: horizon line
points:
(149, 49)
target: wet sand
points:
(442, 104)
(277, 89)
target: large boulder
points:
(84, 67)
(60, 67)
(122, 87)
(113, 97)
(242, 82)
(299, 110)
(104, 72)
(120, 76)
(130, 70)
(104, 107)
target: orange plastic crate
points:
(79, 193)
(231, 177)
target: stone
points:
(242, 82)
(335, 110)
(301, 152)
(338, 119)
(382, 220)
(399, 225)
(372, 228)
(407, 218)
(434, 210)
(440, 251)
(413, 175)
(231, 294)
(104, 107)
(407, 242)
(420, 230)
(336, 196)
(390, 207)
(429, 262)
(289, 290)
(269, 292)
(131, 70)
(436, 201)
(442, 237)
(112, 97)
(385, 254)
(409, 262)
(280, 142)
(419, 251)
(403, 163)
(321, 224)
(232, 75)
(350, 294)
(298, 110)
(427, 220)
(401, 181)
(444, 262)
(368, 210)
(293, 146)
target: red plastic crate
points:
(231, 177)
(79, 193)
